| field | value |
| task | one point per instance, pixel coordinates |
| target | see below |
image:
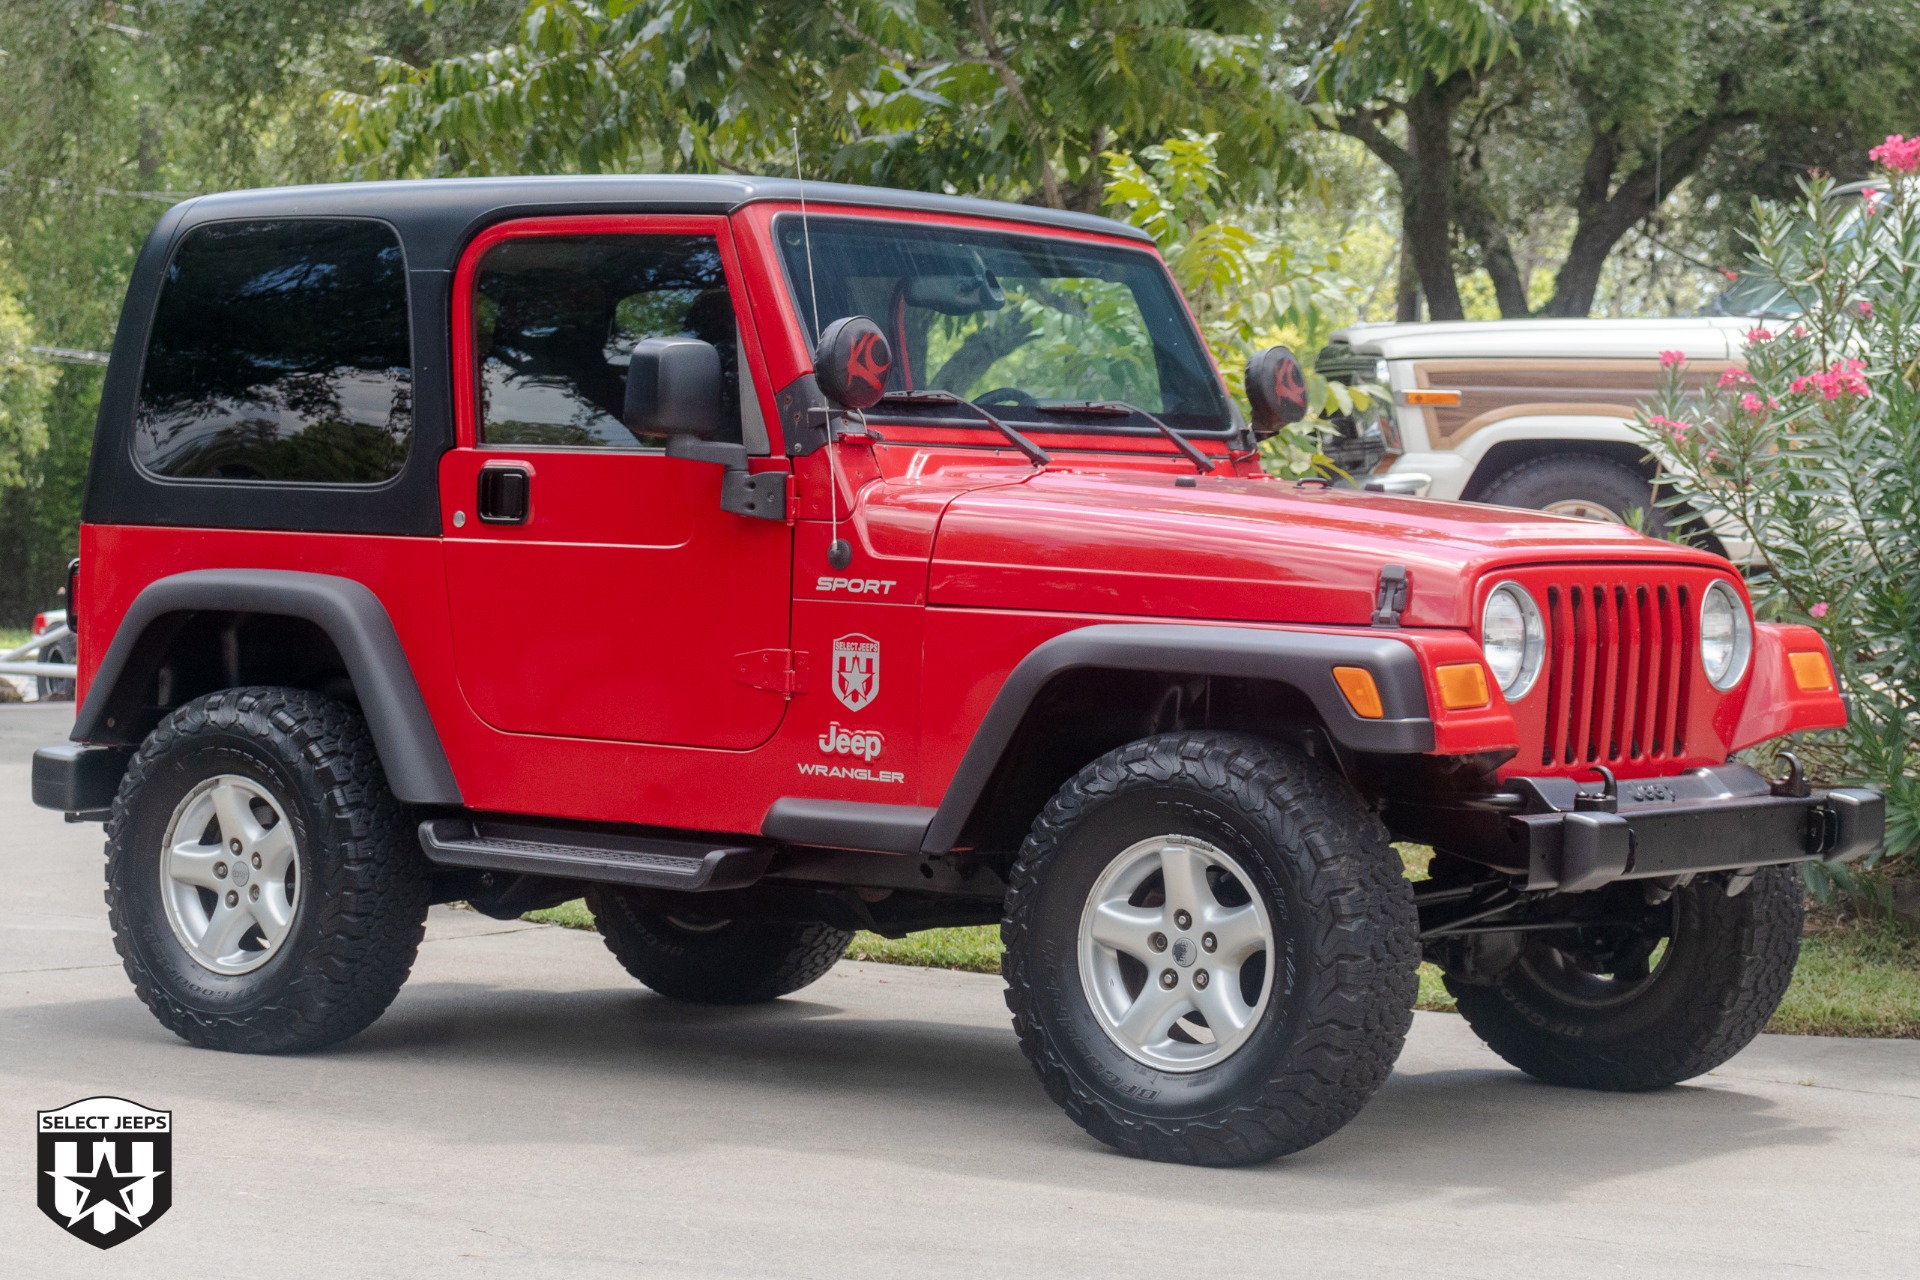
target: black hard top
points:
(436, 216)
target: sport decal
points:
(856, 671)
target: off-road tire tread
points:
(1358, 1000)
(1755, 938)
(1522, 474)
(774, 959)
(374, 901)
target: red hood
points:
(1243, 549)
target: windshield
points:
(1013, 322)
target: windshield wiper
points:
(1121, 409)
(1035, 454)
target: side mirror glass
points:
(851, 363)
(1277, 390)
(673, 388)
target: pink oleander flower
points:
(1668, 425)
(1871, 198)
(1672, 359)
(1866, 309)
(1897, 154)
(1759, 334)
(1799, 331)
(1734, 378)
(1845, 378)
(1819, 610)
(1754, 405)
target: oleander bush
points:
(1810, 453)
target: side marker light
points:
(1463, 685)
(1810, 671)
(1362, 694)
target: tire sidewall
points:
(1063, 1008)
(1578, 477)
(134, 869)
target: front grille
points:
(1616, 671)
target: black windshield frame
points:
(1180, 360)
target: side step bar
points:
(600, 857)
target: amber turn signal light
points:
(1810, 671)
(1432, 397)
(1362, 694)
(1463, 685)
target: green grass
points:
(13, 637)
(1854, 979)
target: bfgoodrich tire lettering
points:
(1726, 966)
(685, 956)
(1344, 959)
(364, 885)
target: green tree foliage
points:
(25, 383)
(1012, 98)
(1812, 454)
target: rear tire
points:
(1578, 484)
(293, 777)
(1561, 1016)
(709, 961)
(1264, 847)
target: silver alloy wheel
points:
(229, 874)
(1585, 509)
(1175, 953)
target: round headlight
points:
(1513, 638)
(1726, 636)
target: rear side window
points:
(280, 353)
(557, 317)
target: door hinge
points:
(778, 670)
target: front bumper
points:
(1571, 838)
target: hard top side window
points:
(556, 318)
(280, 352)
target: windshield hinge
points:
(780, 671)
(1390, 596)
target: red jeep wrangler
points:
(917, 570)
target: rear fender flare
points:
(1302, 659)
(352, 617)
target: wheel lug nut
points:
(256, 862)
(233, 899)
(1181, 919)
(1207, 941)
(1200, 979)
(219, 871)
(254, 893)
(1157, 941)
(1169, 979)
(234, 845)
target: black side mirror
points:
(673, 389)
(851, 363)
(1277, 390)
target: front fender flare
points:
(351, 615)
(1302, 659)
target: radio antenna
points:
(839, 551)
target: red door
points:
(597, 588)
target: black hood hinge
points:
(1390, 595)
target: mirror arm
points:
(759, 497)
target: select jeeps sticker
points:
(106, 1168)
(856, 671)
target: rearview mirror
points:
(673, 389)
(851, 363)
(1277, 390)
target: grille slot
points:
(1616, 672)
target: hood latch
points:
(1390, 596)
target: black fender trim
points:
(350, 614)
(847, 824)
(1303, 659)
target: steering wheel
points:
(1009, 395)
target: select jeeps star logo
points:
(856, 671)
(105, 1168)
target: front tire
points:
(1142, 859)
(1583, 485)
(687, 956)
(265, 889)
(1622, 1011)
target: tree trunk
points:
(1406, 295)
(1428, 197)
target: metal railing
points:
(15, 662)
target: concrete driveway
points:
(526, 1109)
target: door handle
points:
(505, 495)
